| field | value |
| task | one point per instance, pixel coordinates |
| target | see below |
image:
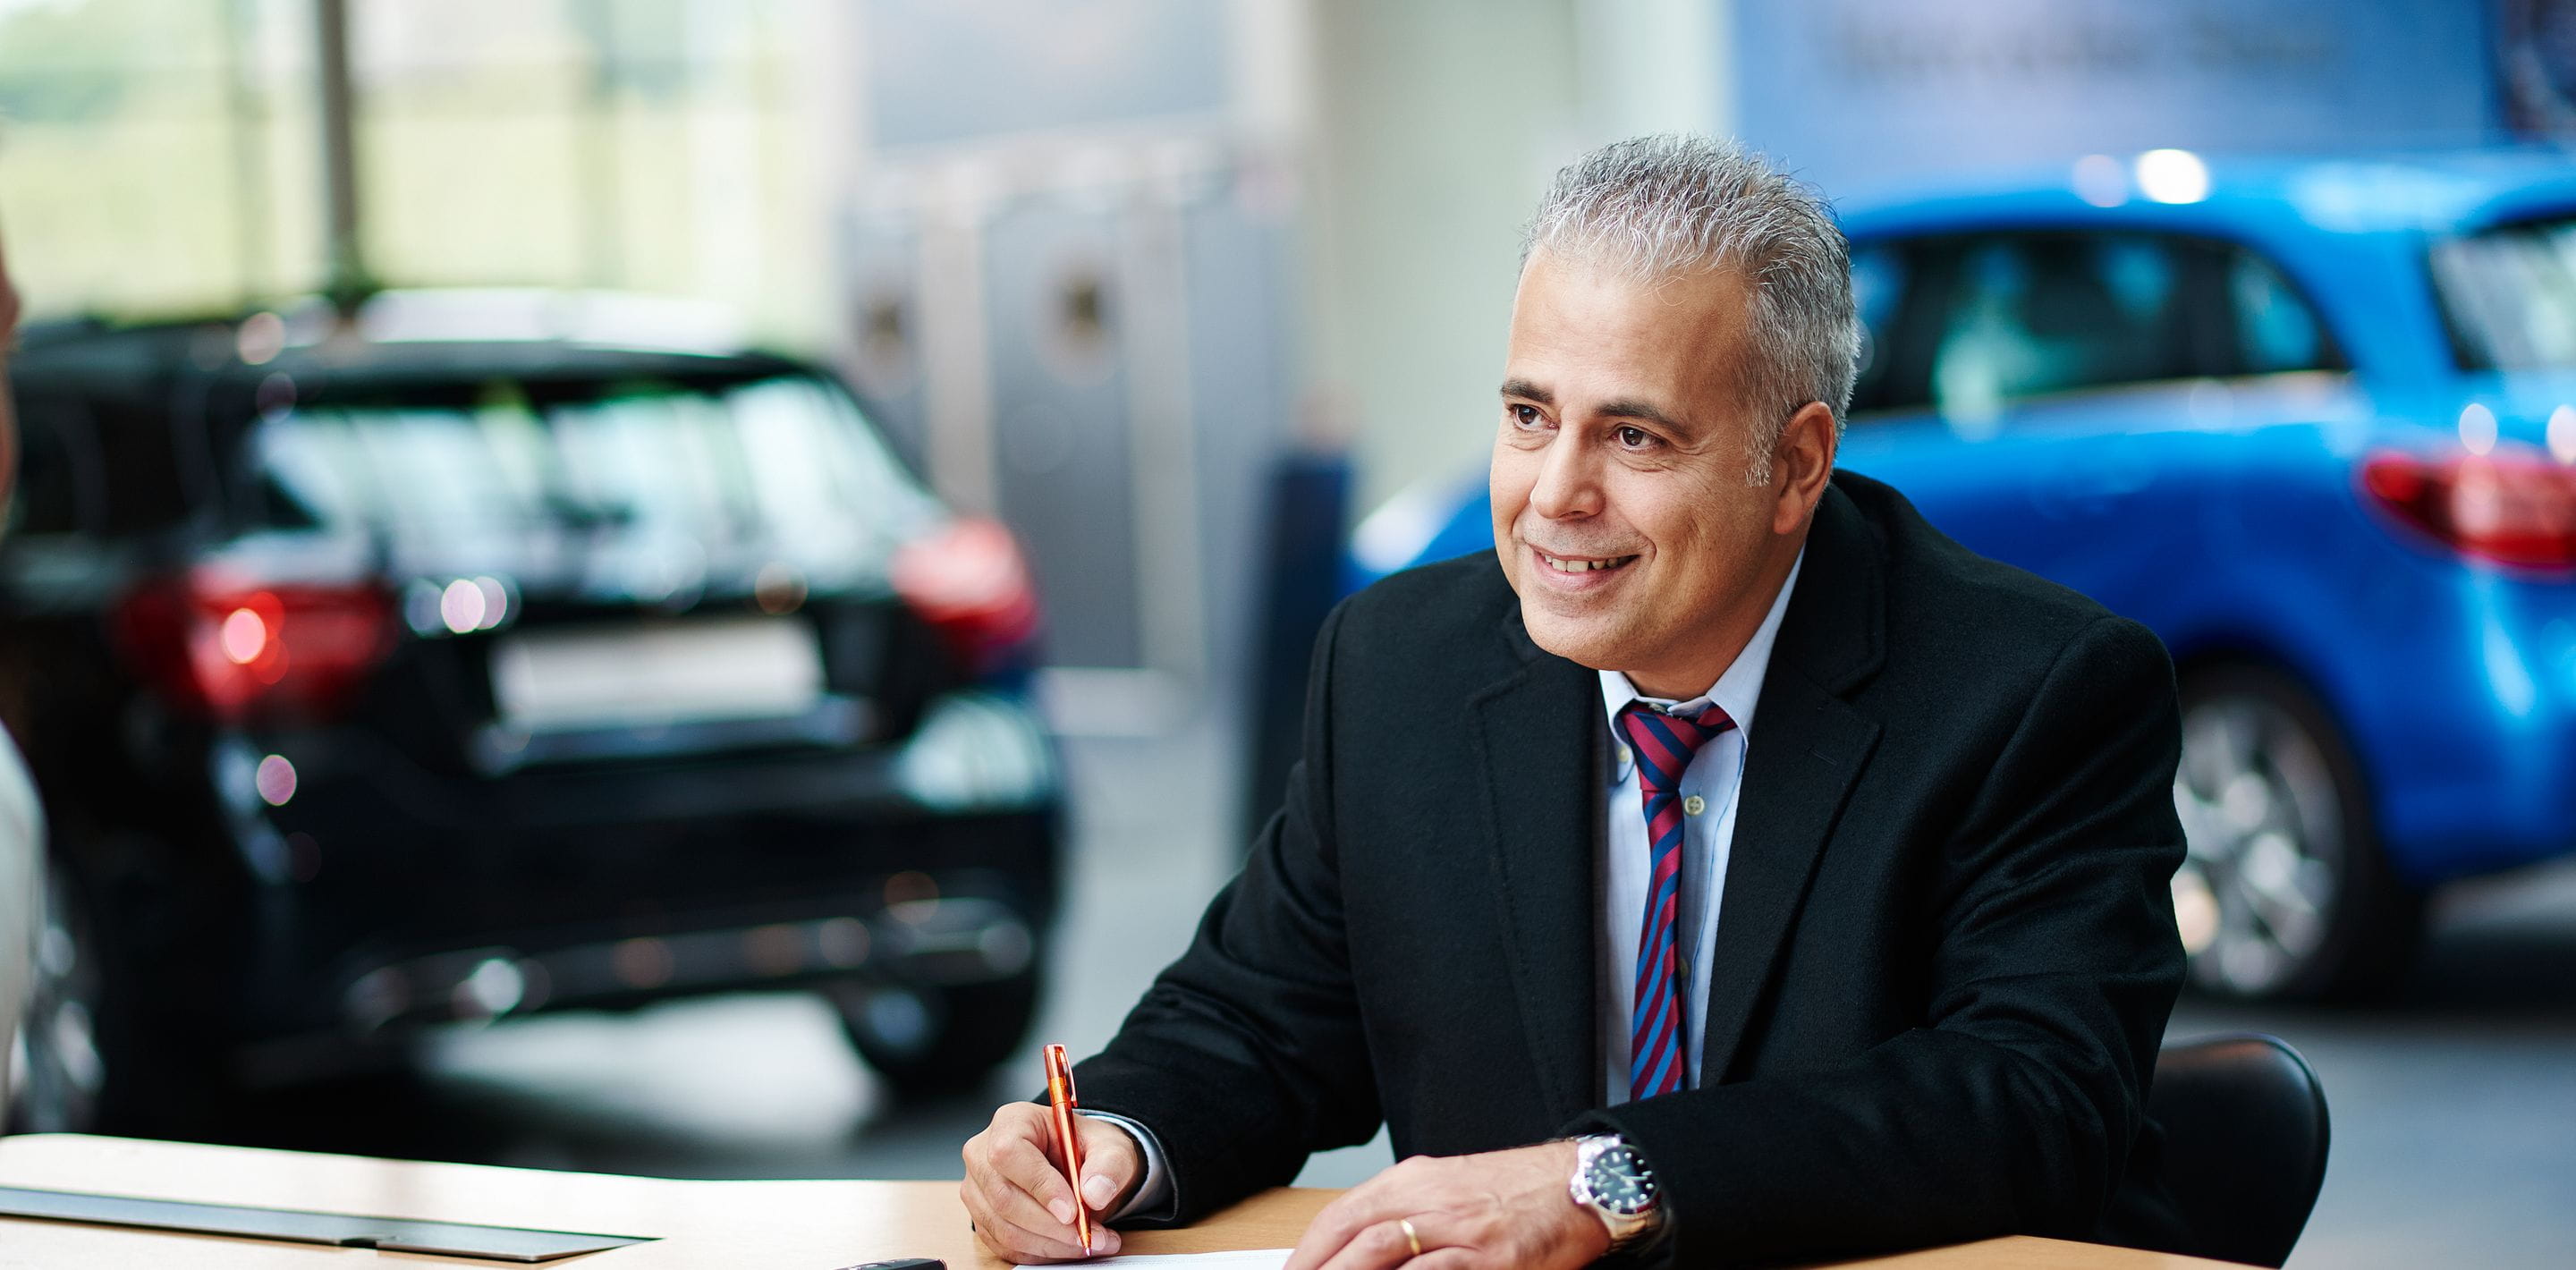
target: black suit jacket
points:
(1945, 950)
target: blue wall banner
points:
(1856, 94)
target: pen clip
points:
(1059, 1076)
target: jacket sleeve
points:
(2052, 964)
(1247, 1053)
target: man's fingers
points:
(1382, 1244)
(1021, 1246)
(1019, 1148)
(1444, 1259)
(1011, 1204)
(1112, 1164)
(1015, 1225)
(1024, 1169)
(1340, 1223)
(1324, 1236)
(1021, 1204)
(1003, 1238)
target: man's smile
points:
(1579, 572)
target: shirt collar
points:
(1736, 691)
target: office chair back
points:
(2245, 1143)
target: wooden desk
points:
(755, 1225)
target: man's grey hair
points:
(1661, 207)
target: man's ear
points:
(1800, 466)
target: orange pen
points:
(1060, 1099)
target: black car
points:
(470, 656)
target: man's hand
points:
(1016, 1193)
(1499, 1209)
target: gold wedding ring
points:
(1411, 1239)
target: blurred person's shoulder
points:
(22, 817)
(22, 864)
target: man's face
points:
(1621, 512)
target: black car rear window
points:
(781, 458)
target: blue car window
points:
(1887, 286)
(2509, 295)
(2276, 331)
(2031, 314)
(1878, 278)
(2139, 274)
(2034, 316)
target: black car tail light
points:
(235, 652)
(969, 582)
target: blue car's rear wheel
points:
(2285, 894)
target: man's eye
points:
(1526, 416)
(1634, 438)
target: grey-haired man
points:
(1729, 867)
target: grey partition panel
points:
(1241, 404)
(1062, 439)
(884, 361)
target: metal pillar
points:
(345, 277)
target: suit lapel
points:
(1807, 747)
(1803, 753)
(1541, 772)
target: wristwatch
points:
(1612, 1180)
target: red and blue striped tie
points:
(1663, 745)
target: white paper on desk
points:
(1260, 1259)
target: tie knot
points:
(1664, 743)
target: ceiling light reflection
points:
(2173, 176)
(2478, 429)
(2099, 180)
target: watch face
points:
(1620, 1182)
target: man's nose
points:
(1569, 484)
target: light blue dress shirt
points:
(1708, 788)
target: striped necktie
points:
(1663, 745)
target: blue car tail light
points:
(2509, 508)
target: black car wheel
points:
(2285, 894)
(930, 1041)
(59, 1066)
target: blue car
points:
(2315, 423)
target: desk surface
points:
(769, 1225)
